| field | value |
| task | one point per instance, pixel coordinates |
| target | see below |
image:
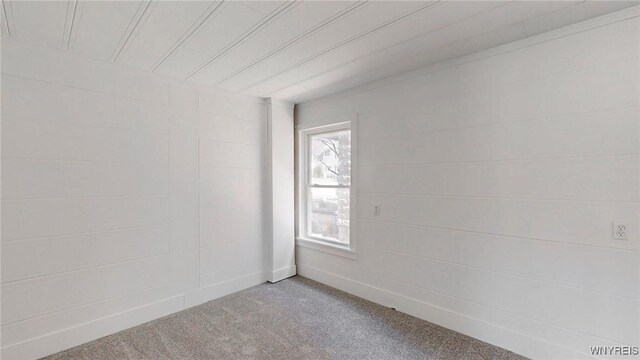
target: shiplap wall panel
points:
(54, 178)
(232, 140)
(599, 314)
(223, 128)
(530, 218)
(220, 257)
(603, 178)
(100, 197)
(73, 252)
(235, 227)
(221, 276)
(499, 177)
(63, 291)
(68, 141)
(45, 325)
(30, 218)
(612, 271)
(593, 132)
(230, 154)
(466, 316)
(243, 108)
(183, 162)
(26, 61)
(230, 192)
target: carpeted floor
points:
(294, 319)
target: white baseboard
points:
(208, 293)
(67, 338)
(517, 342)
(52, 343)
(282, 273)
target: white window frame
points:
(304, 132)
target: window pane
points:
(329, 213)
(330, 158)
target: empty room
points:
(281, 180)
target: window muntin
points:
(328, 182)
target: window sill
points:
(333, 249)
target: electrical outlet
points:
(619, 231)
(376, 210)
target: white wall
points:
(499, 176)
(232, 151)
(125, 197)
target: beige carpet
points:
(294, 319)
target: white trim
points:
(280, 175)
(323, 121)
(517, 342)
(319, 129)
(331, 248)
(277, 102)
(282, 273)
(268, 212)
(353, 193)
(302, 152)
(212, 292)
(54, 342)
(67, 338)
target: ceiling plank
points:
(38, 22)
(499, 26)
(445, 17)
(292, 49)
(366, 17)
(273, 16)
(172, 23)
(144, 10)
(208, 15)
(303, 21)
(344, 12)
(335, 46)
(233, 21)
(579, 12)
(100, 26)
(69, 23)
(6, 23)
(506, 16)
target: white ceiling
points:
(290, 50)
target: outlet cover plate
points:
(620, 231)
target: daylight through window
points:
(328, 182)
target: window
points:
(325, 186)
